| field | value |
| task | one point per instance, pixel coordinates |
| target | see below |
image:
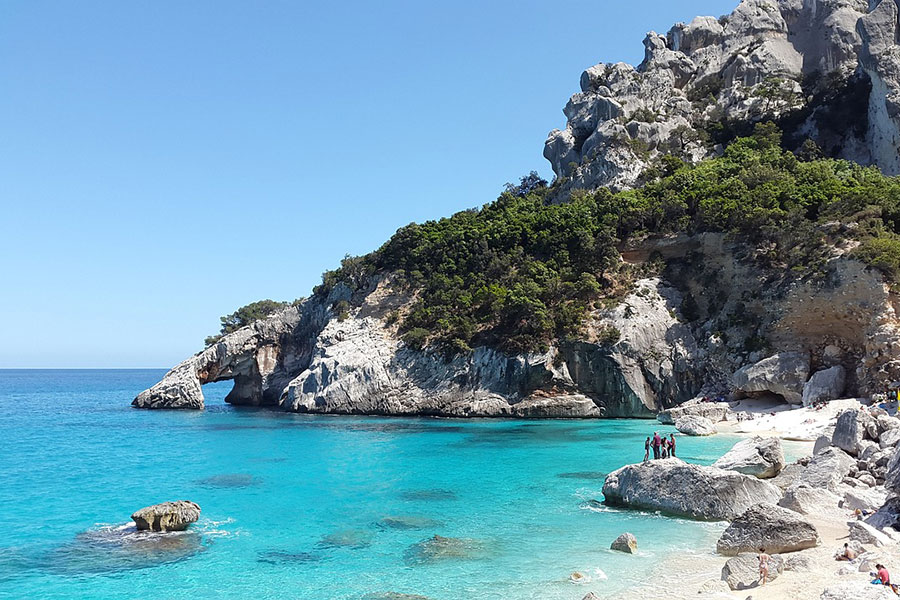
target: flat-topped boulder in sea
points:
(167, 516)
(767, 526)
(681, 489)
(757, 456)
(696, 426)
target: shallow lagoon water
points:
(318, 507)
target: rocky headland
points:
(667, 313)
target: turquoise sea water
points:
(314, 507)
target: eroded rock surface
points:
(686, 490)
(767, 526)
(167, 516)
(757, 456)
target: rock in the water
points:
(348, 538)
(439, 548)
(692, 425)
(167, 516)
(408, 522)
(757, 456)
(827, 384)
(767, 526)
(686, 490)
(625, 543)
(783, 374)
(742, 571)
(857, 590)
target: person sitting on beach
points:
(846, 554)
(882, 577)
(672, 444)
(763, 565)
(647, 449)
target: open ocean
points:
(318, 507)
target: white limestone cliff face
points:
(307, 360)
(714, 69)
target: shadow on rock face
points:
(113, 549)
(229, 480)
(406, 522)
(282, 557)
(428, 495)
(394, 596)
(593, 475)
(348, 538)
(440, 548)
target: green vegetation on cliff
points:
(244, 316)
(521, 271)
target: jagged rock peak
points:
(767, 59)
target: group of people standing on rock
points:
(661, 446)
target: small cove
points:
(316, 507)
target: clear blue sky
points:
(163, 162)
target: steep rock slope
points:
(828, 69)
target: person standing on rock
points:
(656, 442)
(647, 449)
(672, 445)
(763, 566)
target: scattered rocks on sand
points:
(678, 488)
(693, 425)
(742, 571)
(757, 456)
(857, 591)
(767, 526)
(625, 543)
(167, 516)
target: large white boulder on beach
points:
(757, 456)
(714, 411)
(767, 526)
(889, 438)
(742, 571)
(693, 425)
(868, 499)
(782, 374)
(826, 469)
(167, 516)
(866, 534)
(806, 500)
(681, 489)
(857, 590)
(850, 430)
(827, 384)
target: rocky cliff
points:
(827, 70)
(703, 316)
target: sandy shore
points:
(698, 574)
